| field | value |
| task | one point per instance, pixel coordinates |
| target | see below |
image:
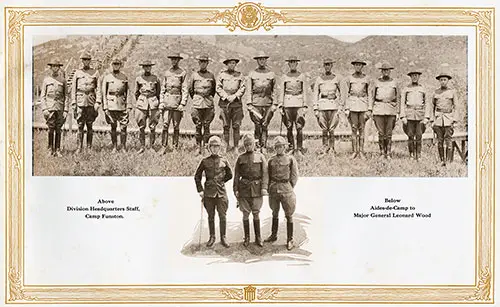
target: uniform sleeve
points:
(268, 173)
(454, 105)
(137, 88)
(184, 89)
(157, 88)
(130, 104)
(212, 90)
(73, 89)
(281, 92)
(371, 94)
(304, 90)
(277, 90)
(402, 112)
(104, 93)
(242, 88)
(66, 98)
(265, 173)
(316, 94)
(43, 94)
(344, 91)
(398, 98)
(190, 85)
(294, 172)
(98, 91)
(249, 86)
(219, 88)
(198, 175)
(429, 111)
(163, 89)
(236, 179)
(229, 173)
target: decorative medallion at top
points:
(249, 16)
(16, 19)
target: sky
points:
(45, 38)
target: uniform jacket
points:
(326, 93)
(174, 89)
(283, 174)
(443, 107)
(250, 174)
(413, 102)
(293, 90)
(147, 92)
(85, 88)
(385, 100)
(262, 85)
(359, 93)
(230, 84)
(217, 173)
(115, 92)
(53, 95)
(202, 89)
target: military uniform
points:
(85, 98)
(359, 89)
(202, 91)
(385, 106)
(262, 101)
(173, 99)
(250, 185)
(327, 102)
(54, 106)
(217, 172)
(293, 102)
(413, 108)
(441, 112)
(228, 84)
(283, 175)
(116, 104)
(147, 96)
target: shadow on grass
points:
(275, 251)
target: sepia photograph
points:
(343, 106)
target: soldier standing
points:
(173, 100)
(116, 103)
(213, 193)
(250, 185)
(442, 113)
(293, 103)
(54, 105)
(147, 96)
(413, 107)
(85, 98)
(359, 89)
(262, 102)
(327, 101)
(385, 107)
(283, 174)
(202, 91)
(230, 88)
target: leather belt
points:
(281, 180)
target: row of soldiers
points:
(358, 96)
(254, 178)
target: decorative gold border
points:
(482, 19)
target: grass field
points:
(101, 162)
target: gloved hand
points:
(180, 108)
(46, 114)
(65, 113)
(201, 194)
(346, 112)
(369, 113)
(96, 106)
(316, 113)
(236, 194)
(161, 106)
(264, 192)
(425, 121)
(404, 120)
(273, 108)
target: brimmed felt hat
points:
(214, 140)
(385, 65)
(203, 57)
(414, 71)
(261, 55)
(175, 55)
(357, 61)
(292, 58)
(328, 60)
(249, 138)
(443, 74)
(231, 59)
(146, 63)
(116, 61)
(85, 55)
(55, 62)
(279, 140)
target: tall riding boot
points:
(211, 229)
(274, 231)
(198, 136)
(381, 145)
(236, 137)
(361, 146)
(354, 141)
(50, 145)
(331, 140)
(175, 139)
(79, 137)
(449, 154)
(264, 136)
(57, 143)
(142, 141)
(114, 139)
(90, 135)
(123, 138)
(222, 226)
(256, 228)
(289, 236)
(411, 147)
(164, 140)
(291, 141)
(324, 142)
(152, 138)
(389, 148)
(418, 149)
(257, 135)
(246, 230)
(441, 154)
(226, 138)
(300, 141)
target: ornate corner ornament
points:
(17, 157)
(250, 293)
(484, 23)
(16, 287)
(482, 292)
(16, 19)
(249, 16)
